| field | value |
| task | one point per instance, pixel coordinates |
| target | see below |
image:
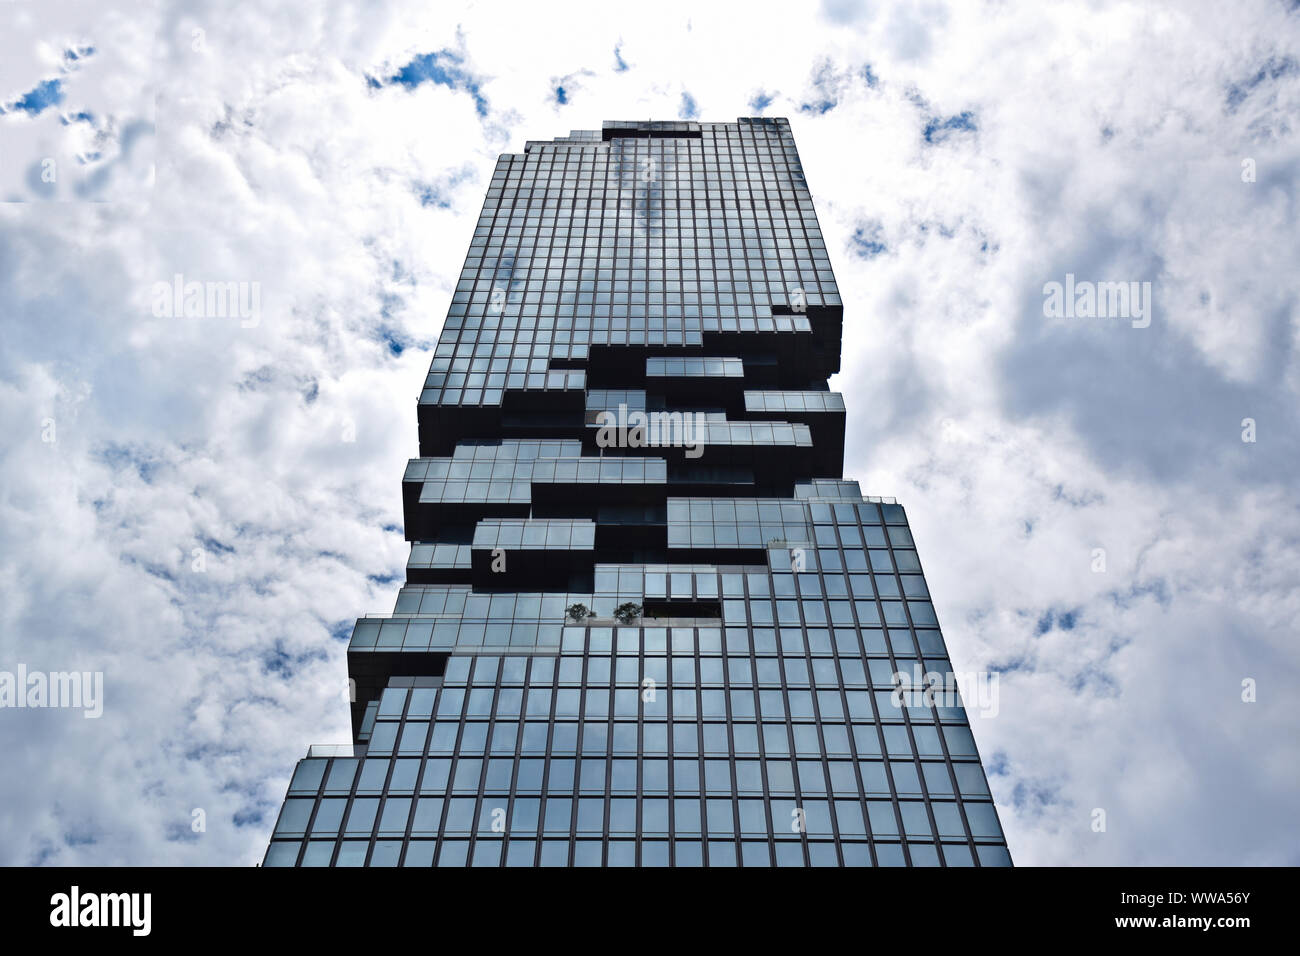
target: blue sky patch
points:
(819, 107)
(431, 195)
(46, 94)
(1060, 620)
(937, 129)
(389, 338)
(443, 68)
(826, 87)
(865, 242)
(1033, 798)
(120, 457)
(1274, 68)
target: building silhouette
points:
(646, 620)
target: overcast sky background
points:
(960, 156)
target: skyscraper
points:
(646, 621)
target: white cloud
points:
(1104, 140)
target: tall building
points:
(646, 621)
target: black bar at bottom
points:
(334, 906)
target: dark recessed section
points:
(370, 670)
(650, 134)
(654, 610)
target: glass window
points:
(294, 816)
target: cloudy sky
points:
(182, 509)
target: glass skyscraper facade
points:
(646, 620)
